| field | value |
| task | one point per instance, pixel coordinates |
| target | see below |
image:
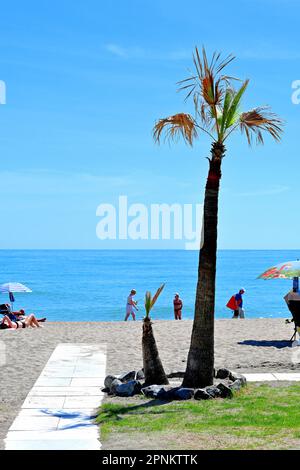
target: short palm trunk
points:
(153, 368)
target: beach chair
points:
(294, 308)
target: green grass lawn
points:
(258, 417)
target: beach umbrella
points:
(287, 270)
(11, 288)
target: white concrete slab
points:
(59, 411)
(53, 381)
(37, 423)
(268, 377)
(81, 402)
(88, 382)
(57, 371)
(53, 435)
(87, 371)
(292, 376)
(263, 377)
(74, 423)
(90, 360)
(66, 444)
(63, 362)
(43, 402)
(65, 391)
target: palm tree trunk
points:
(153, 368)
(200, 363)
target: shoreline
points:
(163, 320)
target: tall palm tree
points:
(153, 368)
(217, 113)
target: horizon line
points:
(145, 249)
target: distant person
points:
(131, 305)
(236, 304)
(177, 302)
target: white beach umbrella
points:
(11, 287)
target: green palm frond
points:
(217, 106)
(226, 105)
(150, 301)
(231, 113)
(156, 295)
(147, 303)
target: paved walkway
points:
(58, 411)
(268, 377)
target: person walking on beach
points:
(236, 304)
(177, 302)
(131, 305)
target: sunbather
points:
(25, 321)
(7, 323)
(22, 315)
(19, 320)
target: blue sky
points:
(85, 83)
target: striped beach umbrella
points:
(11, 287)
(287, 270)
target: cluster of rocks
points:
(131, 383)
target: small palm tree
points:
(153, 368)
(217, 113)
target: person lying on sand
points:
(21, 315)
(28, 321)
(17, 321)
(6, 323)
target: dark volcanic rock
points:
(113, 386)
(226, 392)
(152, 391)
(184, 393)
(108, 380)
(213, 391)
(234, 376)
(236, 385)
(140, 374)
(128, 389)
(168, 393)
(126, 376)
(223, 373)
(201, 394)
(130, 383)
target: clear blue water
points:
(91, 285)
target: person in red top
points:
(235, 304)
(239, 311)
(177, 302)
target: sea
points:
(93, 285)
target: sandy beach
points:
(256, 345)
